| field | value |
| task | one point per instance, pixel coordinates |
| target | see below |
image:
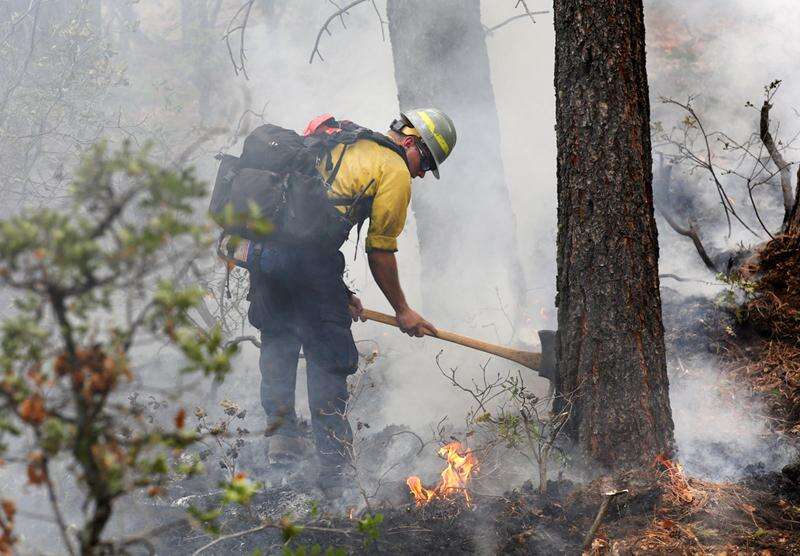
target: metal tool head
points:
(547, 366)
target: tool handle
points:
(528, 359)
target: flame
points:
(460, 465)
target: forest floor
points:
(663, 513)
(756, 343)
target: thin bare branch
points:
(324, 29)
(383, 22)
(238, 26)
(601, 512)
(692, 234)
(528, 13)
(51, 495)
(422, 444)
(757, 213)
(24, 70)
(682, 279)
(262, 527)
(341, 15)
(490, 30)
(777, 158)
(706, 162)
(33, 5)
(687, 231)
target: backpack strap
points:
(361, 220)
(327, 129)
(360, 132)
(358, 198)
(384, 141)
(341, 201)
(335, 171)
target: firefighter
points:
(307, 304)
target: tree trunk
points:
(611, 357)
(199, 42)
(465, 225)
(793, 222)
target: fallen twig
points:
(264, 526)
(682, 279)
(601, 513)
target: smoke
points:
(723, 55)
(726, 53)
(719, 429)
(409, 389)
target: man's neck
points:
(396, 137)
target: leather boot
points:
(284, 449)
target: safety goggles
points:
(426, 160)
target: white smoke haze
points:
(743, 46)
(719, 431)
(724, 54)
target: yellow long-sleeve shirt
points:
(379, 173)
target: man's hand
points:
(410, 322)
(384, 269)
(356, 309)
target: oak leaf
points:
(35, 470)
(32, 411)
(180, 418)
(9, 508)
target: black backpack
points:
(276, 180)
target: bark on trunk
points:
(793, 222)
(611, 339)
(465, 224)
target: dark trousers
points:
(298, 299)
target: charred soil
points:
(664, 511)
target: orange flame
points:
(460, 465)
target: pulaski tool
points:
(544, 363)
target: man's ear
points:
(408, 142)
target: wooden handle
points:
(529, 359)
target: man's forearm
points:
(384, 269)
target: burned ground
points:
(666, 510)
